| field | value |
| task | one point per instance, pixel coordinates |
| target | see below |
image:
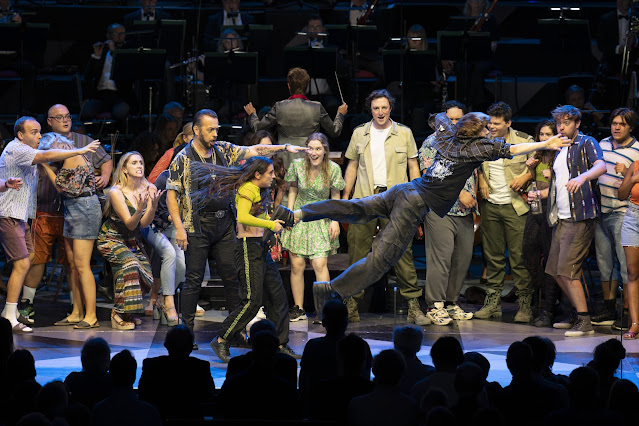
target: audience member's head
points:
(519, 359)
(263, 325)
(408, 340)
(469, 379)
(179, 341)
(34, 419)
(6, 341)
(52, 400)
(446, 353)
(583, 387)
(96, 355)
(623, 394)
(21, 366)
(435, 397)
(354, 355)
(416, 38)
(479, 360)
(440, 416)
(335, 317)
(264, 345)
(388, 367)
(122, 370)
(541, 360)
(608, 356)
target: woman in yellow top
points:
(258, 274)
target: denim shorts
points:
(630, 227)
(82, 218)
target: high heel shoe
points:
(119, 324)
(150, 308)
(165, 319)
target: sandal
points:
(83, 325)
(150, 307)
(631, 335)
(119, 324)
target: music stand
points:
(412, 68)
(144, 65)
(230, 67)
(566, 42)
(167, 34)
(319, 62)
(337, 35)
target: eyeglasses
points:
(62, 118)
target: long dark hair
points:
(219, 181)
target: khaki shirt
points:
(513, 168)
(399, 147)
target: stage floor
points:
(57, 349)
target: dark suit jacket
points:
(176, 386)
(136, 15)
(148, 41)
(93, 73)
(214, 29)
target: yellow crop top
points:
(248, 195)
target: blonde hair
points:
(120, 179)
(187, 129)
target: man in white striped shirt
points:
(620, 150)
(19, 159)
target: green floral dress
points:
(311, 239)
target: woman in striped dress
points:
(131, 205)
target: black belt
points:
(86, 194)
(218, 214)
(380, 189)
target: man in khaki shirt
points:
(382, 153)
(503, 218)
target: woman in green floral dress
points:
(312, 178)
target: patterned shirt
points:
(584, 203)
(98, 158)
(17, 161)
(226, 154)
(610, 181)
(455, 161)
(427, 154)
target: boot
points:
(525, 312)
(415, 314)
(492, 306)
(353, 313)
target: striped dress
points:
(129, 263)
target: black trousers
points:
(218, 240)
(259, 279)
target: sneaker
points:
(457, 313)
(622, 323)
(26, 308)
(567, 323)
(287, 350)
(260, 314)
(221, 349)
(582, 327)
(438, 315)
(296, 314)
(604, 317)
(543, 320)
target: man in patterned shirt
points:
(573, 210)
(209, 229)
(460, 150)
(449, 239)
(19, 159)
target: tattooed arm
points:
(266, 150)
